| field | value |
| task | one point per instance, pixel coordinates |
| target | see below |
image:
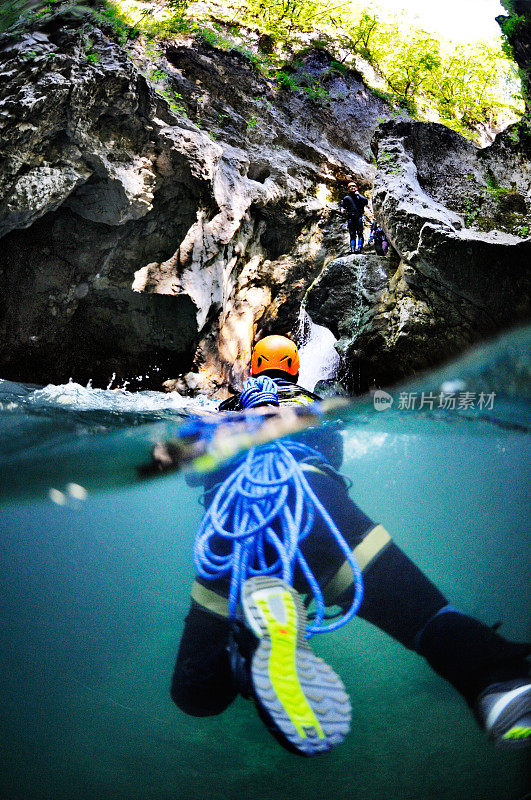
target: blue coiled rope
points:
(266, 506)
(259, 392)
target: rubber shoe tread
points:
(301, 695)
(504, 711)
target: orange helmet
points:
(275, 353)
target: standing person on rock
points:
(353, 206)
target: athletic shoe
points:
(301, 699)
(504, 711)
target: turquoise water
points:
(95, 588)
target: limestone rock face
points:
(154, 237)
(463, 270)
(345, 299)
(84, 205)
(137, 242)
(352, 283)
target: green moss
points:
(494, 189)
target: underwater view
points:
(97, 566)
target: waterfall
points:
(318, 356)
(361, 270)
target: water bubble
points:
(454, 385)
(57, 497)
(77, 491)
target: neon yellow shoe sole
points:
(302, 697)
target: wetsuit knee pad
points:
(398, 598)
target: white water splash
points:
(86, 398)
(361, 269)
(318, 356)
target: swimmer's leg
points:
(202, 682)
(481, 665)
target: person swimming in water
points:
(261, 652)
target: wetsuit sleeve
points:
(347, 204)
(202, 682)
(231, 403)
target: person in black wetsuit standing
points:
(353, 205)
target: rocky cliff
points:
(458, 219)
(151, 231)
(139, 242)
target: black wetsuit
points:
(398, 598)
(354, 204)
(381, 245)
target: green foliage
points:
(18, 16)
(302, 82)
(338, 66)
(287, 81)
(511, 26)
(390, 161)
(261, 62)
(361, 34)
(108, 16)
(281, 19)
(464, 86)
(159, 76)
(129, 18)
(386, 157)
(174, 99)
(91, 56)
(472, 211)
(496, 206)
(494, 190)
(11, 13)
(211, 37)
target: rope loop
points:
(259, 516)
(258, 392)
